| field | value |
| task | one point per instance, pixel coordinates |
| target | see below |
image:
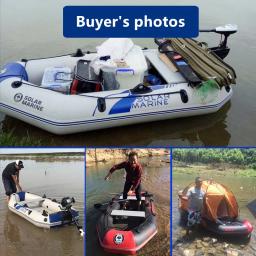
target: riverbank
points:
(67, 156)
(199, 245)
(106, 155)
(9, 139)
(207, 169)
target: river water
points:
(55, 177)
(36, 31)
(156, 180)
(244, 190)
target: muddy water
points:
(56, 179)
(245, 191)
(156, 180)
(234, 125)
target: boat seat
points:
(132, 198)
(168, 75)
(36, 200)
(128, 213)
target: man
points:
(195, 197)
(10, 177)
(133, 176)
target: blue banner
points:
(130, 21)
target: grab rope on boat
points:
(182, 92)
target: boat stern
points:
(118, 241)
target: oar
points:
(100, 205)
(252, 207)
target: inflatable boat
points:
(127, 231)
(219, 212)
(74, 93)
(42, 212)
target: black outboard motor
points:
(222, 50)
(66, 203)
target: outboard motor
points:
(222, 50)
(66, 203)
(226, 30)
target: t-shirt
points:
(195, 198)
(9, 171)
(133, 173)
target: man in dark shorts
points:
(195, 197)
(10, 177)
(133, 176)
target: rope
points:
(108, 96)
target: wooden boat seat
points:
(168, 75)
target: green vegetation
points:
(195, 170)
(240, 157)
(9, 139)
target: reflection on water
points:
(156, 180)
(185, 131)
(56, 180)
(244, 190)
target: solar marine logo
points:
(18, 97)
(119, 238)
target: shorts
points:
(9, 186)
(194, 217)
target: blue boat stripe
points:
(122, 106)
(110, 118)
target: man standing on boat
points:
(10, 177)
(195, 197)
(133, 176)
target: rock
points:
(225, 245)
(212, 252)
(188, 252)
(214, 240)
(205, 244)
(206, 239)
(231, 252)
(199, 244)
(199, 253)
(104, 155)
(253, 247)
(183, 232)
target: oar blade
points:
(252, 207)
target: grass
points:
(10, 140)
(220, 170)
(247, 173)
